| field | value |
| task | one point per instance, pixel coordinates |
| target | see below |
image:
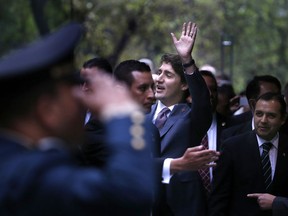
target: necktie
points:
(162, 117)
(205, 172)
(266, 165)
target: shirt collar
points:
(160, 106)
(49, 143)
(214, 121)
(274, 141)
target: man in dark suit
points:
(137, 77)
(93, 152)
(218, 124)
(41, 125)
(92, 67)
(257, 86)
(218, 121)
(182, 192)
(246, 166)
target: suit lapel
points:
(281, 164)
(254, 148)
(221, 124)
(178, 111)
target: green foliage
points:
(16, 24)
(132, 29)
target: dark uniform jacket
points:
(35, 182)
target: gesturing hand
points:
(264, 200)
(185, 44)
(194, 158)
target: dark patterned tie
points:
(266, 165)
(162, 117)
(205, 173)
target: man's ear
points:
(184, 86)
(252, 104)
(284, 118)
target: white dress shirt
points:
(273, 151)
(166, 174)
(212, 139)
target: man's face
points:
(267, 118)
(212, 86)
(223, 106)
(86, 72)
(66, 119)
(169, 89)
(264, 88)
(142, 89)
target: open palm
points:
(185, 44)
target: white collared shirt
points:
(212, 139)
(159, 107)
(87, 117)
(273, 151)
(212, 134)
(166, 175)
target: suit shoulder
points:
(239, 119)
(240, 139)
(236, 130)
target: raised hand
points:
(185, 44)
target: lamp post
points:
(227, 43)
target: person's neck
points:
(169, 103)
(165, 104)
(29, 131)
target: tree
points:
(132, 29)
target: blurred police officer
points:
(41, 106)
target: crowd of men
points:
(119, 141)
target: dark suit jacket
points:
(221, 126)
(239, 172)
(280, 206)
(239, 119)
(236, 130)
(49, 183)
(284, 127)
(94, 151)
(184, 128)
(245, 127)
